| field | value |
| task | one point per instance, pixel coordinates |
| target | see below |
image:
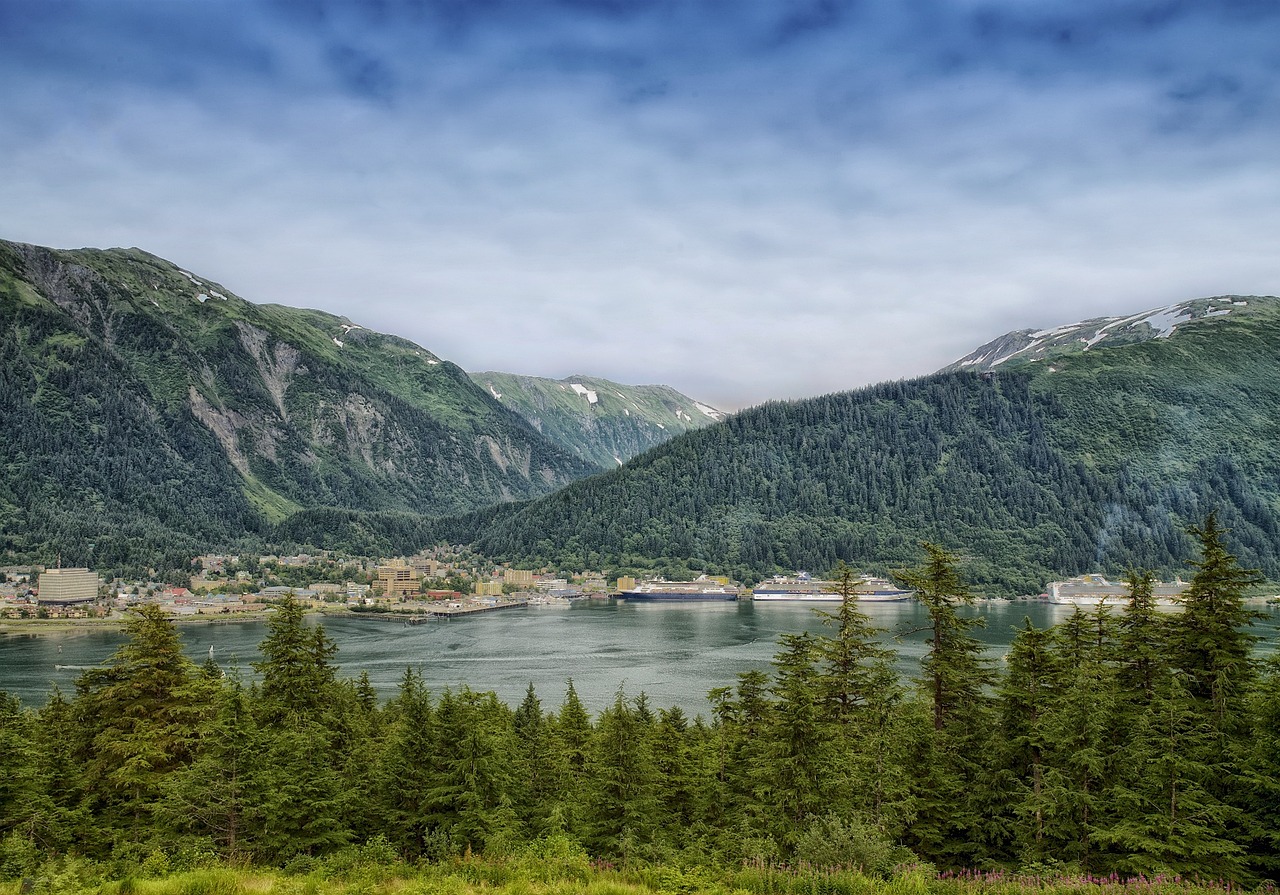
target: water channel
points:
(675, 653)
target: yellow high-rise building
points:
(398, 579)
(518, 577)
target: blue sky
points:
(746, 200)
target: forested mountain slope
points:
(150, 412)
(1096, 459)
(601, 421)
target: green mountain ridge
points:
(602, 421)
(1098, 460)
(151, 411)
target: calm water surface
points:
(674, 653)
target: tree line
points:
(1136, 743)
(1010, 466)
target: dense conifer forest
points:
(1135, 744)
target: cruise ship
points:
(702, 590)
(1095, 590)
(803, 589)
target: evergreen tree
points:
(1026, 693)
(622, 797)
(1167, 816)
(1142, 643)
(474, 779)
(743, 769)
(141, 715)
(542, 770)
(294, 793)
(796, 738)
(1078, 726)
(1261, 777)
(26, 808)
(405, 776)
(209, 797)
(1211, 637)
(297, 677)
(955, 674)
(571, 733)
(859, 692)
(957, 792)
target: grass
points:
(523, 876)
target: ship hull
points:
(778, 596)
(658, 596)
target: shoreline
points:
(115, 623)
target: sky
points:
(745, 200)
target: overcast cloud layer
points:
(746, 200)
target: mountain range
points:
(1042, 454)
(604, 422)
(148, 409)
(148, 414)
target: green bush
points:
(831, 842)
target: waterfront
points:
(673, 652)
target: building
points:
(398, 579)
(66, 586)
(492, 588)
(425, 566)
(518, 577)
(626, 582)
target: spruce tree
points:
(142, 715)
(955, 674)
(404, 771)
(27, 810)
(957, 792)
(796, 739)
(297, 677)
(210, 796)
(1026, 694)
(622, 796)
(1211, 639)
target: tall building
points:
(397, 579)
(518, 577)
(68, 586)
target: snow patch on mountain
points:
(587, 393)
(1156, 323)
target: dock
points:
(439, 613)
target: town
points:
(440, 581)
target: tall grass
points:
(569, 874)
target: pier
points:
(438, 613)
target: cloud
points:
(745, 199)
